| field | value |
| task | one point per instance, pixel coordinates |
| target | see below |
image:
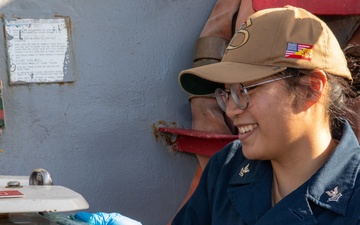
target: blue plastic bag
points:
(101, 218)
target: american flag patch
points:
(298, 51)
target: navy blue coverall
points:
(236, 191)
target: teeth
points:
(247, 128)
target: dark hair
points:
(352, 55)
(338, 101)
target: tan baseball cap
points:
(269, 42)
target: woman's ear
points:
(316, 80)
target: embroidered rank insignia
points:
(298, 51)
(334, 195)
(244, 170)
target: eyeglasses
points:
(239, 93)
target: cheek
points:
(271, 107)
(265, 102)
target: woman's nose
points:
(232, 110)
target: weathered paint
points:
(95, 135)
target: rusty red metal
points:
(319, 7)
(194, 141)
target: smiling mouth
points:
(248, 128)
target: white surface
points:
(51, 198)
(24, 180)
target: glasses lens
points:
(222, 98)
(240, 95)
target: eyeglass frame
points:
(245, 89)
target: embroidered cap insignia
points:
(334, 195)
(244, 170)
(299, 51)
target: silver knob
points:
(13, 184)
(40, 177)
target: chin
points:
(249, 153)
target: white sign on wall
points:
(38, 50)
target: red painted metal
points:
(318, 7)
(194, 141)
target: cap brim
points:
(204, 80)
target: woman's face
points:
(270, 126)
